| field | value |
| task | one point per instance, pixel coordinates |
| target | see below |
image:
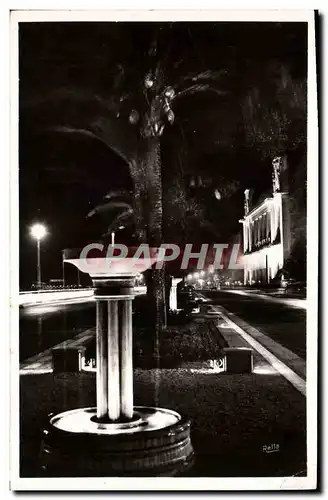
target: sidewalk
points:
(42, 362)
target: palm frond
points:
(122, 193)
(126, 218)
(200, 82)
(71, 95)
(199, 87)
(108, 207)
(207, 75)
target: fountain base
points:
(155, 443)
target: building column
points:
(245, 236)
(173, 300)
(267, 229)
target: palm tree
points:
(153, 112)
(131, 119)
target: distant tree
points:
(275, 120)
(275, 112)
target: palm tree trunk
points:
(149, 214)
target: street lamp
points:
(38, 231)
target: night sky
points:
(62, 176)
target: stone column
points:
(249, 235)
(102, 364)
(173, 294)
(113, 361)
(126, 392)
(114, 348)
(245, 236)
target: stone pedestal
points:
(114, 348)
(238, 359)
(115, 438)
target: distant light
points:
(202, 273)
(217, 194)
(149, 82)
(134, 117)
(38, 231)
(196, 275)
(189, 277)
(121, 227)
(170, 116)
(169, 92)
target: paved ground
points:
(283, 323)
(233, 417)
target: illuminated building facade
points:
(266, 232)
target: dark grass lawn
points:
(192, 340)
(233, 417)
(283, 324)
(196, 340)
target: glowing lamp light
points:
(38, 231)
(196, 275)
(169, 92)
(217, 194)
(170, 116)
(149, 82)
(202, 273)
(134, 117)
(189, 277)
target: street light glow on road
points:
(291, 302)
